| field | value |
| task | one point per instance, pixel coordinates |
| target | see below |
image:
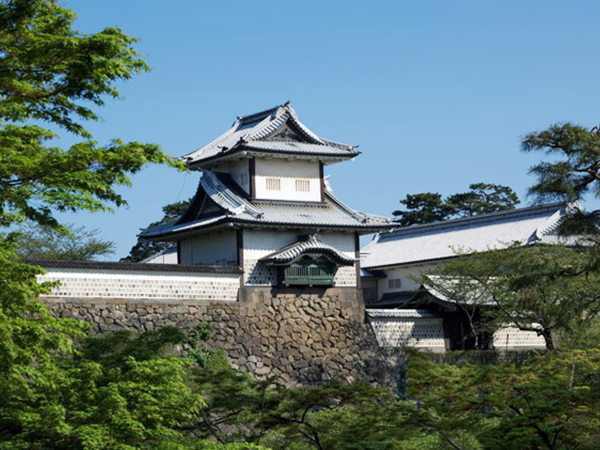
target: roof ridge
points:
(224, 197)
(357, 215)
(269, 127)
(479, 218)
(291, 252)
(265, 113)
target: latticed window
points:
(273, 184)
(302, 185)
(308, 271)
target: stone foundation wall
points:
(300, 337)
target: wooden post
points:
(252, 170)
(322, 179)
(357, 256)
(240, 252)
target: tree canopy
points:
(76, 243)
(482, 198)
(50, 73)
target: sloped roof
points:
(141, 267)
(257, 133)
(440, 240)
(311, 245)
(235, 207)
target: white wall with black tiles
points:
(84, 283)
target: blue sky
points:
(437, 94)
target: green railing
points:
(304, 272)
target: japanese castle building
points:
(263, 204)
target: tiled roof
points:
(250, 133)
(141, 267)
(440, 240)
(236, 207)
(400, 313)
(311, 245)
(391, 300)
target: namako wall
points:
(299, 336)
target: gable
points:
(288, 131)
(201, 206)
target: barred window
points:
(273, 184)
(302, 186)
(395, 283)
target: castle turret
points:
(263, 204)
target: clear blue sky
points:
(437, 94)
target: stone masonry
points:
(300, 337)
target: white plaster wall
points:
(403, 273)
(343, 242)
(419, 332)
(259, 243)
(511, 338)
(168, 256)
(288, 172)
(92, 283)
(218, 248)
(239, 170)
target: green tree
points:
(482, 198)
(573, 174)
(422, 208)
(576, 170)
(75, 244)
(145, 248)
(553, 290)
(51, 73)
(548, 402)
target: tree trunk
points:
(547, 335)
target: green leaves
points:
(482, 198)
(72, 244)
(50, 72)
(575, 172)
(34, 178)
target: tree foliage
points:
(547, 402)
(553, 290)
(50, 73)
(576, 170)
(73, 243)
(429, 207)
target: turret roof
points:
(233, 206)
(276, 131)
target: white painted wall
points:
(260, 243)
(94, 283)
(287, 172)
(408, 328)
(239, 171)
(511, 338)
(218, 248)
(167, 256)
(404, 274)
